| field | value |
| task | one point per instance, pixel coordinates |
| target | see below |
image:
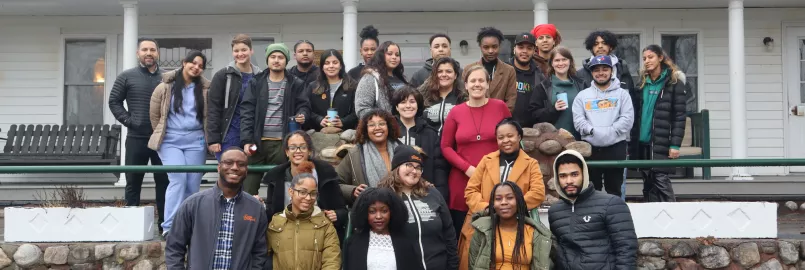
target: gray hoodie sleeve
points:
(365, 95)
(580, 121)
(626, 119)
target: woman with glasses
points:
(302, 236)
(298, 147)
(366, 163)
(429, 222)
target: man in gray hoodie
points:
(604, 115)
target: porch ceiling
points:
(166, 7)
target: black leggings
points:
(656, 182)
(609, 179)
(458, 221)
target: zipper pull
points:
(573, 207)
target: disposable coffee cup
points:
(562, 97)
(332, 114)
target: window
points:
(683, 49)
(84, 78)
(506, 48)
(413, 57)
(259, 46)
(173, 50)
(628, 51)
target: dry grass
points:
(64, 196)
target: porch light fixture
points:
(768, 42)
(465, 47)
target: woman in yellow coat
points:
(510, 163)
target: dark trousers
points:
(268, 153)
(458, 221)
(138, 153)
(609, 179)
(656, 182)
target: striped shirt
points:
(273, 125)
(222, 258)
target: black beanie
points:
(403, 154)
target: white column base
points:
(740, 174)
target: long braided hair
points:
(521, 214)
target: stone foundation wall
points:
(654, 254)
(83, 256)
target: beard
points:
(304, 65)
(605, 83)
(523, 63)
(574, 195)
(145, 64)
(222, 180)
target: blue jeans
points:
(181, 149)
(232, 139)
(623, 186)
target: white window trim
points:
(787, 74)
(109, 70)
(658, 32)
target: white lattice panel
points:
(79, 225)
(702, 219)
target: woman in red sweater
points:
(468, 135)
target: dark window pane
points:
(259, 46)
(628, 50)
(83, 105)
(84, 61)
(683, 50)
(173, 50)
(506, 49)
(802, 49)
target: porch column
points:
(540, 12)
(130, 33)
(737, 88)
(350, 34)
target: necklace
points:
(477, 127)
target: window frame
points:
(642, 37)
(658, 32)
(110, 71)
(214, 65)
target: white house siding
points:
(40, 40)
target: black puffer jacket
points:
(669, 118)
(435, 169)
(593, 232)
(585, 74)
(329, 192)
(134, 86)
(343, 102)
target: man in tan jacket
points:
(502, 77)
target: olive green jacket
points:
(480, 246)
(305, 242)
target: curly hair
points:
(490, 32)
(518, 257)
(402, 95)
(430, 90)
(608, 37)
(362, 133)
(360, 211)
(392, 181)
(369, 33)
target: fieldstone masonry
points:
(653, 254)
(83, 256)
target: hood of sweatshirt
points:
(585, 183)
(605, 116)
(428, 64)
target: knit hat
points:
(547, 29)
(404, 154)
(278, 47)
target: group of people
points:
(437, 178)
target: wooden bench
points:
(696, 143)
(36, 145)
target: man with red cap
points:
(547, 39)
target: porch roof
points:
(167, 7)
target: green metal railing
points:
(696, 163)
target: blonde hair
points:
(666, 62)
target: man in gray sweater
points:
(603, 114)
(222, 227)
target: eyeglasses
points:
(230, 163)
(379, 124)
(304, 193)
(414, 166)
(293, 148)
